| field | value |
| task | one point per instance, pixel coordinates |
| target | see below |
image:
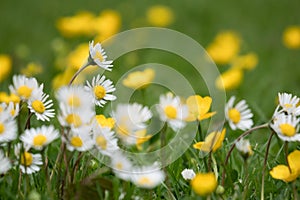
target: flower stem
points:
(233, 146)
(264, 166)
(78, 72)
(246, 174)
(286, 152)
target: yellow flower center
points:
(101, 142)
(99, 56)
(26, 159)
(74, 119)
(13, 112)
(2, 128)
(288, 105)
(234, 115)
(38, 106)
(1, 109)
(287, 130)
(119, 166)
(144, 181)
(171, 112)
(74, 101)
(39, 140)
(99, 91)
(122, 130)
(24, 91)
(76, 141)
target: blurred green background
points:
(28, 33)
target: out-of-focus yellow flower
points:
(160, 15)
(230, 79)
(65, 77)
(106, 24)
(5, 66)
(199, 107)
(105, 122)
(139, 79)
(204, 184)
(32, 69)
(282, 172)
(291, 37)
(212, 142)
(225, 47)
(247, 62)
(78, 56)
(142, 138)
(80, 24)
(6, 98)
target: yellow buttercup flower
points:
(32, 69)
(247, 62)
(105, 122)
(142, 138)
(199, 107)
(5, 66)
(291, 37)
(78, 56)
(225, 47)
(204, 184)
(282, 172)
(212, 142)
(160, 15)
(230, 79)
(139, 79)
(64, 78)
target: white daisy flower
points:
(238, 116)
(8, 128)
(288, 104)
(244, 146)
(286, 127)
(39, 137)
(23, 86)
(40, 106)
(75, 97)
(121, 166)
(98, 57)
(5, 164)
(104, 139)
(10, 108)
(74, 118)
(172, 111)
(188, 174)
(29, 162)
(80, 139)
(100, 89)
(130, 120)
(147, 176)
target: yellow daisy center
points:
(144, 181)
(24, 91)
(99, 91)
(38, 106)
(171, 112)
(26, 159)
(39, 140)
(74, 119)
(119, 166)
(76, 141)
(1, 109)
(123, 130)
(2, 128)
(101, 142)
(12, 112)
(287, 129)
(234, 115)
(99, 56)
(74, 101)
(288, 105)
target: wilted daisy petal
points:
(188, 174)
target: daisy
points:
(80, 139)
(121, 165)
(98, 57)
(244, 147)
(100, 89)
(5, 164)
(148, 177)
(288, 104)
(40, 137)
(104, 139)
(29, 162)
(75, 97)
(172, 111)
(286, 127)
(238, 116)
(10, 108)
(8, 128)
(188, 174)
(23, 86)
(130, 121)
(74, 118)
